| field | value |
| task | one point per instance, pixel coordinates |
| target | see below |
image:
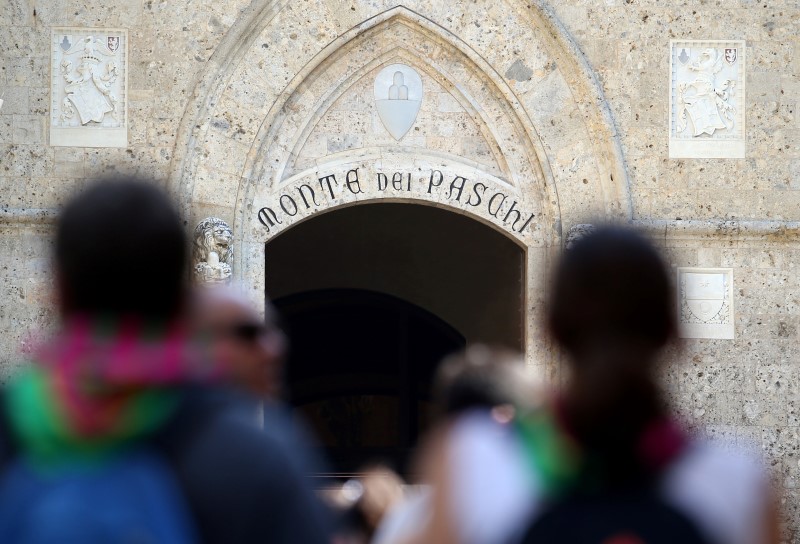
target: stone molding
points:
(786, 233)
(783, 233)
(28, 216)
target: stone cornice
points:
(666, 231)
(719, 231)
(28, 216)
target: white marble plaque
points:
(398, 97)
(89, 87)
(705, 302)
(707, 98)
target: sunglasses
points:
(247, 332)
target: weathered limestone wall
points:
(171, 42)
(626, 44)
(562, 107)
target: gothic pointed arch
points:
(556, 95)
(271, 136)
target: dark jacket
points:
(237, 479)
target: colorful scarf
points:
(100, 384)
(562, 465)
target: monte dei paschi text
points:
(310, 196)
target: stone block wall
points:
(627, 45)
(738, 213)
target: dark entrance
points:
(374, 296)
(369, 399)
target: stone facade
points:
(534, 117)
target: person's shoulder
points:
(219, 427)
(233, 419)
(723, 488)
(724, 464)
(232, 472)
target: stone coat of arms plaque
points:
(707, 99)
(705, 302)
(89, 85)
(398, 97)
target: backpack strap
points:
(8, 443)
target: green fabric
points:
(555, 458)
(42, 427)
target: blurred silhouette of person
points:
(609, 462)
(605, 461)
(364, 501)
(253, 350)
(472, 463)
(116, 432)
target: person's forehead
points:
(217, 308)
(237, 310)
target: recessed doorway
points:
(374, 296)
(367, 400)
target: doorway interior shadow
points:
(374, 296)
(368, 400)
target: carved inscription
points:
(503, 206)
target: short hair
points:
(483, 377)
(120, 250)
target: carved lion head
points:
(213, 234)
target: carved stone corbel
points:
(213, 252)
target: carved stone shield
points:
(730, 55)
(398, 97)
(113, 43)
(705, 295)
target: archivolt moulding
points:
(599, 146)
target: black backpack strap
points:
(8, 443)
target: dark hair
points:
(612, 287)
(612, 310)
(482, 377)
(121, 251)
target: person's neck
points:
(596, 413)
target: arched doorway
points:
(374, 295)
(370, 399)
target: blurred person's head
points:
(612, 307)
(482, 377)
(612, 311)
(251, 348)
(120, 251)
